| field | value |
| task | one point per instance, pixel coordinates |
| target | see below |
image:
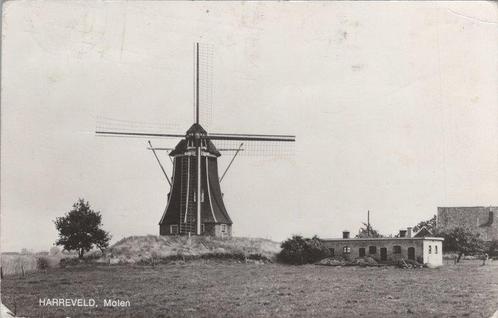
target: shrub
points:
(298, 250)
(69, 261)
(42, 263)
(259, 257)
(492, 248)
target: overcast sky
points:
(394, 105)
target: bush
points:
(298, 250)
(42, 263)
(492, 248)
(69, 261)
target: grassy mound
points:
(157, 249)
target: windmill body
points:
(180, 215)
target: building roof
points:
(423, 232)
(468, 207)
(383, 239)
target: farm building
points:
(479, 219)
(425, 250)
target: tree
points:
(368, 231)
(429, 225)
(80, 229)
(462, 241)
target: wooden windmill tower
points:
(195, 202)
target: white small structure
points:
(5, 312)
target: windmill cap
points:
(196, 129)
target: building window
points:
(396, 249)
(346, 250)
(202, 227)
(332, 252)
(372, 250)
(430, 249)
(435, 249)
(223, 228)
(173, 229)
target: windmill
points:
(195, 202)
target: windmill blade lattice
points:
(259, 148)
(140, 128)
(206, 53)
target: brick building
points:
(425, 250)
(482, 220)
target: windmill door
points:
(383, 254)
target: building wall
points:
(433, 252)
(482, 220)
(421, 249)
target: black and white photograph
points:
(249, 158)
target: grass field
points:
(228, 289)
(15, 264)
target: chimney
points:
(408, 232)
(345, 234)
(402, 233)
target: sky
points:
(394, 105)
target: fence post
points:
(22, 270)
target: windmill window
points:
(202, 196)
(173, 229)
(223, 228)
(435, 249)
(372, 250)
(430, 249)
(396, 249)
